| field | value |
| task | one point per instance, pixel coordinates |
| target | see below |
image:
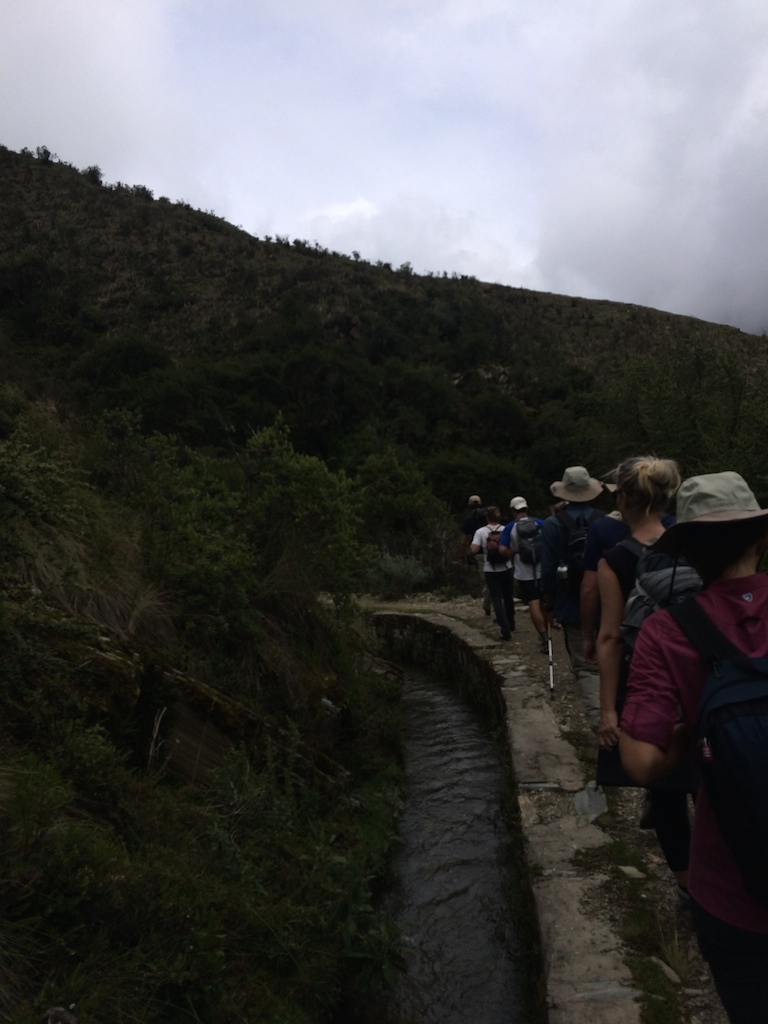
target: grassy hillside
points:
(109, 297)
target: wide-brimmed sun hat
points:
(710, 498)
(576, 485)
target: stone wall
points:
(436, 646)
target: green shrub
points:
(397, 576)
(131, 894)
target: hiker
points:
(722, 531)
(470, 524)
(645, 487)
(498, 570)
(604, 533)
(522, 539)
(562, 546)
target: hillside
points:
(109, 297)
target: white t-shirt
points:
(481, 538)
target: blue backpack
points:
(732, 742)
(577, 541)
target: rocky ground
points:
(647, 909)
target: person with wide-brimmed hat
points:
(722, 531)
(577, 486)
(560, 575)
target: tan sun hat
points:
(711, 498)
(576, 485)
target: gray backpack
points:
(661, 581)
(528, 534)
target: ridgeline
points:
(110, 298)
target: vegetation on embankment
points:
(199, 770)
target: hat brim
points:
(594, 490)
(674, 539)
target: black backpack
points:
(732, 741)
(577, 542)
(528, 534)
(477, 519)
(492, 552)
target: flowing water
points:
(453, 868)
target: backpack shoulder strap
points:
(568, 521)
(571, 523)
(703, 634)
(635, 547)
(623, 559)
(579, 521)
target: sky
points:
(608, 149)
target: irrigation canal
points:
(544, 909)
(454, 867)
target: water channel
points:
(454, 868)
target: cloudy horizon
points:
(610, 150)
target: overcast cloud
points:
(613, 149)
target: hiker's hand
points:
(679, 745)
(608, 730)
(589, 648)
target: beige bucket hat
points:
(576, 485)
(711, 498)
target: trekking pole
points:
(551, 660)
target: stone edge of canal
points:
(575, 972)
